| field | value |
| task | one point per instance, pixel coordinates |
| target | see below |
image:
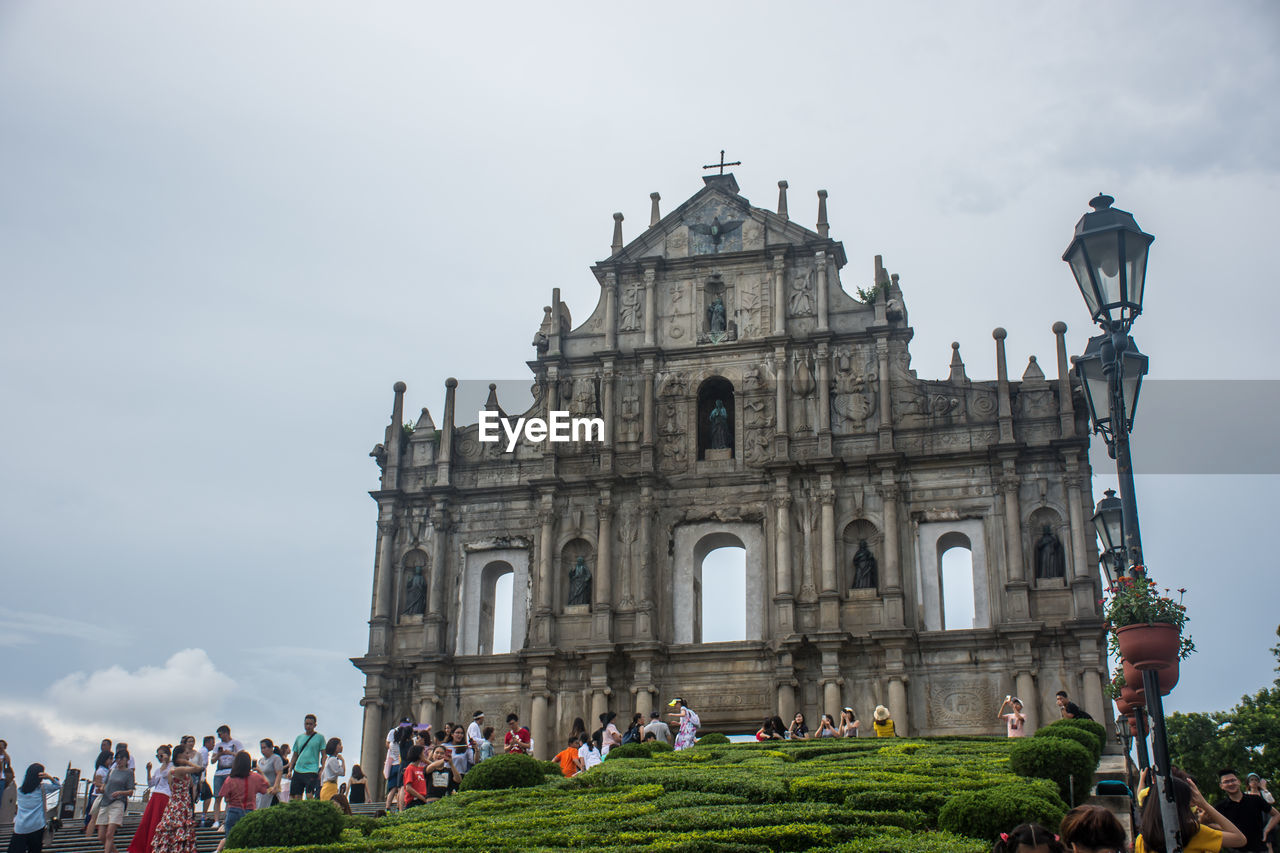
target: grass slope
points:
(859, 796)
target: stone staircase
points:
(1113, 768)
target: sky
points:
(226, 229)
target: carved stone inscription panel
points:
(961, 702)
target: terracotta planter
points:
(1167, 677)
(1123, 708)
(1135, 697)
(1133, 726)
(1150, 645)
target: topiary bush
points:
(656, 746)
(505, 771)
(1080, 736)
(1063, 760)
(291, 824)
(985, 814)
(629, 750)
(1093, 727)
(713, 737)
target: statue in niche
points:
(864, 567)
(716, 316)
(719, 426)
(629, 315)
(801, 301)
(1051, 559)
(580, 583)
(415, 593)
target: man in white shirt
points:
(201, 790)
(657, 728)
(224, 754)
(475, 732)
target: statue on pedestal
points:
(716, 316)
(415, 593)
(580, 583)
(864, 567)
(1051, 560)
(719, 427)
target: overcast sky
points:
(227, 228)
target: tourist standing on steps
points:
(442, 776)
(304, 766)
(29, 820)
(399, 740)
(848, 723)
(101, 767)
(115, 800)
(271, 766)
(241, 789)
(475, 733)
(224, 753)
(517, 738)
(335, 767)
(357, 793)
(1015, 720)
(176, 832)
(203, 792)
(1092, 829)
(689, 722)
(6, 769)
(883, 723)
(158, 782)
(415, 780)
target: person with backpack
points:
(688, 720)
(632, 734)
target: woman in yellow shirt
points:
(1209, 834)
(883, 723)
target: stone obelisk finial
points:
(654, 213)
(617, 234)
(782, 199)
(824, 227)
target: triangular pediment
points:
(717, 220)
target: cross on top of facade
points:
(722, 163)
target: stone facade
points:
(832, 439)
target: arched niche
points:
(855, 532)
(569, 554)
(407, 598)
(933, 539)
(1043, 554)
(692, 544)
(713, 392)
(480, 607)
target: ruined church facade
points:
(748, 400)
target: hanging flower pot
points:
(1134, 696)
(1167, 677)
(1149, 645)
(1133, 726)
(1123, 708)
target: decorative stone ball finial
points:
(399, 387)
(451, 383)
(1059, 328)
(999, 333)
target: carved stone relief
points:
(960, 702)
(630, 311)
(800, 301)
(758, 425)
(854, 393)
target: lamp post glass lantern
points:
(1104, 355)
(1108, 521)
(1108, 258)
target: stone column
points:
(780, 293)
(783, 535)
(782, 438)
(1004, 407)
(1026, 687)
(601, 613)
(446, 433)
(886, 399)
(1009, 484)
(644, 703)
(898, 706)
(1079, 545)
(437, 580)
(610, 288)
(648, 403)
(828, 500)
(1066, 406)
(646, 626)
(820, 261)
(606, 402)
(1091, 682)
(373, 735)
(599, 705)
(538, 729)
(824, 398)
(541, 632)
(889, 493)
(385, 570)
(650, 303)
(831, 703)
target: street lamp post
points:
(1108, 257)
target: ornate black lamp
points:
(1106, 354)
(1108, 520)
(1108, 257)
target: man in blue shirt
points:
(304, 763)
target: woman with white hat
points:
(883, 723)
(689, 723)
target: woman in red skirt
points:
(156, 802)
(176, 831)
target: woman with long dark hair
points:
(610, 736)
(1092, 829)
(1211, 833)
(176, 831)
(158, 782)
(357, 793)
(688, 721)
(115, 800)
(29, 821)
(848, 723)
(241, 790)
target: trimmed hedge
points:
(1063, 760)
(505, 771)
(1080, 736)
(985, 814)
(638, 750)
(292, 824)
(1093, 727)
(713, 737)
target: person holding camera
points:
(1015, 720)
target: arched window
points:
(495, 608)
(720, 593)
(717, 420)
(955, 557)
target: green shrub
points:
(925, 801)
(505, 771)
(364, 823)
(289, 825)
(986, 814)
(903, 841)
(629, 750)
(713, 737)
(1093, 727)
(1063, 760)
(656, 746)
(1080, 736)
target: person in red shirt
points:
(415, 781)
(517, 738)
(241, 790)
(570, 760)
